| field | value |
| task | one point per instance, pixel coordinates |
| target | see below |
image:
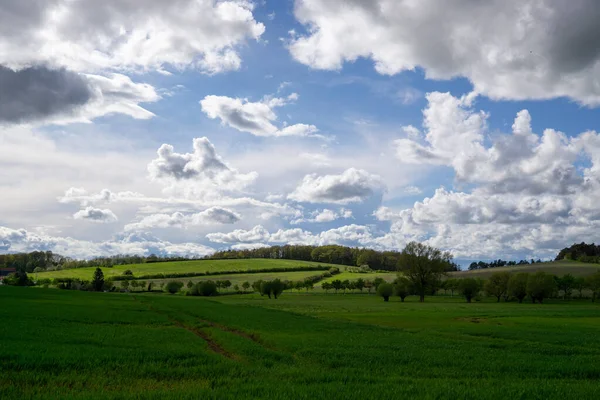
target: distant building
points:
(6, 271)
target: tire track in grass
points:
(212, 344)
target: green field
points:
(352, 276)
(80, 345)
(559, 268)
(180, 267)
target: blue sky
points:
(205, 125)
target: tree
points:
(540, 285)
(369, 285)
(190, 284)
(226, 284)
(469, 287)
(385, 290)
(173, 286)
(142, 285)
(452, 285)
(326, 286)
(336, 285)
(579, 284)
(236, 288)
(423, 266)
(517, 285)
(150, 284)
(256, 287)
(134, 285)
(272, 288)
(593, 283)
(497, 285)
(246, 286)
(359, 284)
(566, 284)
(98, 280)
(125, 285)
(127, 272)
(402, 287)
(345, 285)
(378, 281)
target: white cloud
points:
(22, 240)
(255, 235)
(256, 118)
(412, 190)
(96, 215)
(528, 49)
(210, 216)
(125, 35)
(200, 174)
(353, 185)
(323, 216)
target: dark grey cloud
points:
(39, 92)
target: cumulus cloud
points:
(124, 35)
(509, 50)
(21, 240)
(256, 118)
(255, 235)
(96, 215)
(43, 94)
(352, 186)
(521, 162)
(210, 216)
(199, 173)
(322, 216)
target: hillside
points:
(574, 268)
(174, 267)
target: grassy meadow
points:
(80, 345)
(181, 267)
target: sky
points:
(190, 126)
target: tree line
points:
(583, 252)
(500, 263)
(39, 261)
(330, 254)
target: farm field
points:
(76, 345)
(574, 268)
(180, 267)
(352, 276)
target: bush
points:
(385, 290)
(205, 288)
(128, 272)
(402, 288)
(173, 286)
(469, 287)
(18, 278)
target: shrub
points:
(402, 288)
(173, 286)
(18, 278)
(127, 272)
(205, 288)
(385, 290)
(469, 287)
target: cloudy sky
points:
(187, 126)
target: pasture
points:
(177, 267)
(80, 345)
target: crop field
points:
(554, 267)
(80, 345)
(181, 267)
(352, 276)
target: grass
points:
(352, 276)
(180, 267)
(559, 268)
(76, 345)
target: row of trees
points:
(331, 254)
(500, 263)
(38, 261)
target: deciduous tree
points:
(497, 284)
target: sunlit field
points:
(79, 345)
